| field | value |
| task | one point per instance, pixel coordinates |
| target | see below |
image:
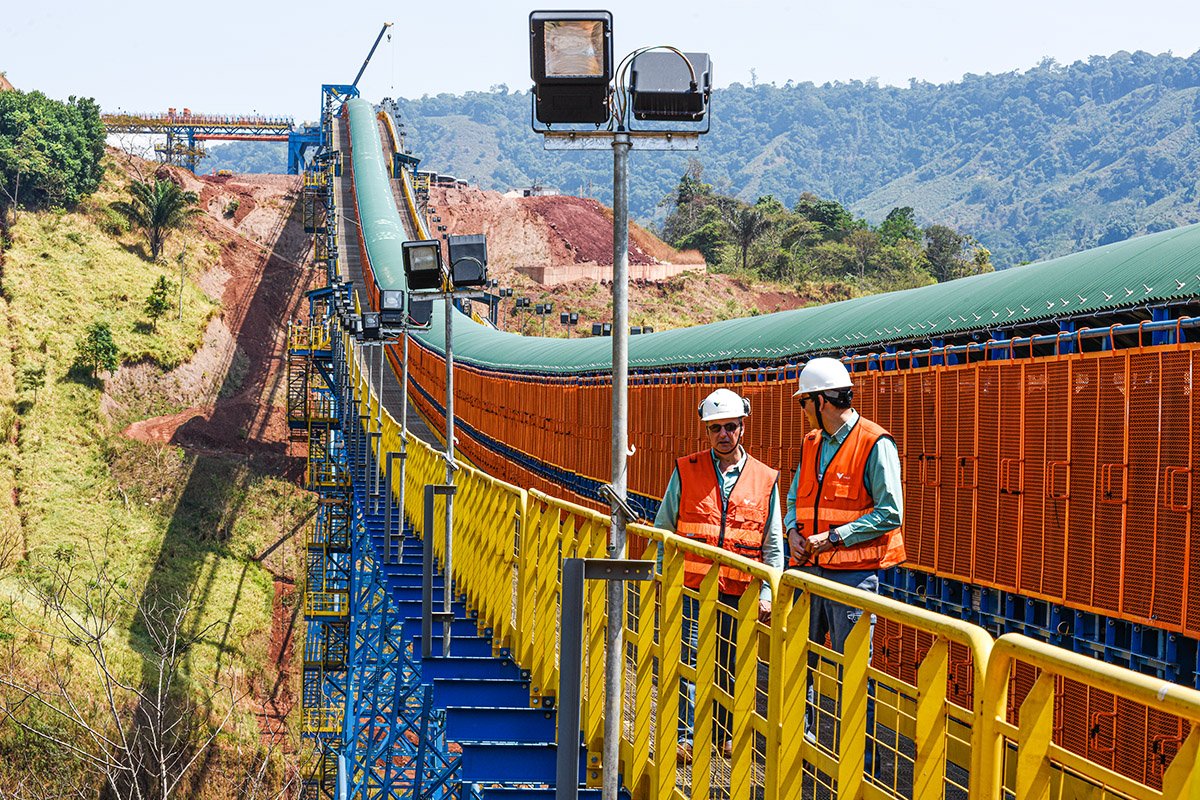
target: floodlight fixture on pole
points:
(423, 264)
(571, 65)
(571, 62)
(391, 307)
(370, 325)
(468, 260)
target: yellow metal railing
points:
(326, 604)
(323, 720)
(1022, 760)
(508, 549)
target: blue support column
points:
(1161, 314)
(1066, 344)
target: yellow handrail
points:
(509, 544)
(1041, 765)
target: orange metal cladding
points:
(1043, 506)
(957, 472)
(1018, 473)
(1111, 448)
(1145, 383)
(921, 478)
(1081, 480)
(897, 649)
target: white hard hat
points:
(823, 374)
(724, 404)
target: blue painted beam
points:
(459, 666)
(459, 645)
(480, 691)
(527, 725)
(511, 763)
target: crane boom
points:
(363, 68)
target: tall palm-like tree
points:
(746, 223)
(158, 208)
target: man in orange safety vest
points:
(845, 507)
(724, 497)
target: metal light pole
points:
(614, 666)
(379, 430)
(571, 65)
(404, 429)
(447, 591)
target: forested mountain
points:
(245, 157)
(1032, 164)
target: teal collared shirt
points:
(882, 481)
(772, 555)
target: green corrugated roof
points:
(1146, 270)
(383, 231)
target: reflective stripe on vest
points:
(737, 525)
(841, 497)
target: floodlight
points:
(420, 311)
(391, 306)
(607, 328)
(468, 260)
(370, 325)
(574, 318)
(423, 264)
(564, 318)
(666, 86)
(570, 56)
(597, 329)
(636, 330)
(647, 329)
(540, 309)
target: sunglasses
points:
(729, 427)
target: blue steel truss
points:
(393, 742)
(373, 729)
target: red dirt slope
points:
(554, 230)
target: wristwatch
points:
(834, 538)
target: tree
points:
(832, 217)
(864, 246)
(691, 198)
(746, 224)
(900, 223)
(50, 151)
(709, 236)
(96, 350)
(943, 251)
(158, 208)
(954, 255)
(158, 303)
(141, 739)
(32, 378)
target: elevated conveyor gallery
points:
(1049, 490)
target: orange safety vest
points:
(738, 525)
(842, 497)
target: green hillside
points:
(139, 580)
(1034, 164)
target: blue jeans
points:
(837, 620)
(726, 656)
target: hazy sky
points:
(271, 57)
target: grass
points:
(175, 523)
